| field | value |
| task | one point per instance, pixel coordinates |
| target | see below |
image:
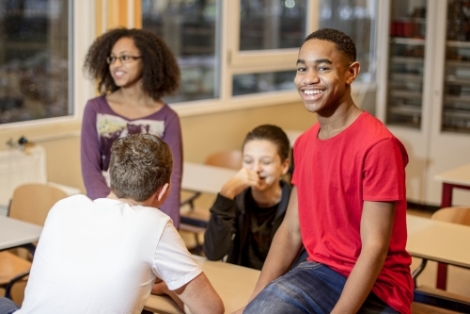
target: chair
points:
(194, 219)
(438, 297)
(30, 203)
(231, 159)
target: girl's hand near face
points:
(242, 180)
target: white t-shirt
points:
(102, 256)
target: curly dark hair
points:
(271, 133)
(160, 72)
(342, 41)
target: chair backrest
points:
(458, 215)
(32, 201)
(227, 159)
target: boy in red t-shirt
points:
(348, 206)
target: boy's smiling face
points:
(323, 75)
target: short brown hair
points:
(271, 133)
(140, 164)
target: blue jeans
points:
(309, 288)
(7, 306)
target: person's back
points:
(96, 257)
(104, 256)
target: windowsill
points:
(211, 106)
(40, 131)
(68, 127)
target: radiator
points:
(18, 167)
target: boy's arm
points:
(174, 265)
(284, 249)
(376, 229)
(200, 297)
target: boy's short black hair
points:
(343, 42)
(140, 164)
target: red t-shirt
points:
(365, 162)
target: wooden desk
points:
(441, 242)
(438, 241)
(204, 178)
(233, 283)
(458, 178)
(15, 233)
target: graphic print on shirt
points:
(111, 127)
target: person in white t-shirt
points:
(104, 256)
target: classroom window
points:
(357, 18)
(192, 31)
(34, 60)
(272, 24)
(229, 48)
(253, 83)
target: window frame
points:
(234, 61)
(106, 14)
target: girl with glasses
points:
(134, 69)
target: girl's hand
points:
(242, 180)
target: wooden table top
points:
(438, 241)
(233, 283)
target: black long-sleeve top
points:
(229, 226)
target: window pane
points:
(272, 24)
(253, 83)
(34, 70)
(191, 30)
(357, 18)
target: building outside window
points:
(358, 19)
(35, 72)
(226, 49)
(192, 31)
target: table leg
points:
(446, 201)
(441, 282)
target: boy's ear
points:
(162, 192)
(353, 71)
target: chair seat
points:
(10, 266)
(196, 213)
(196, 217)
(194, 220)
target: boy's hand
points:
(242, 180)
(160, 287)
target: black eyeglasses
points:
(123, 59)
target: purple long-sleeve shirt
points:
(101, 126)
